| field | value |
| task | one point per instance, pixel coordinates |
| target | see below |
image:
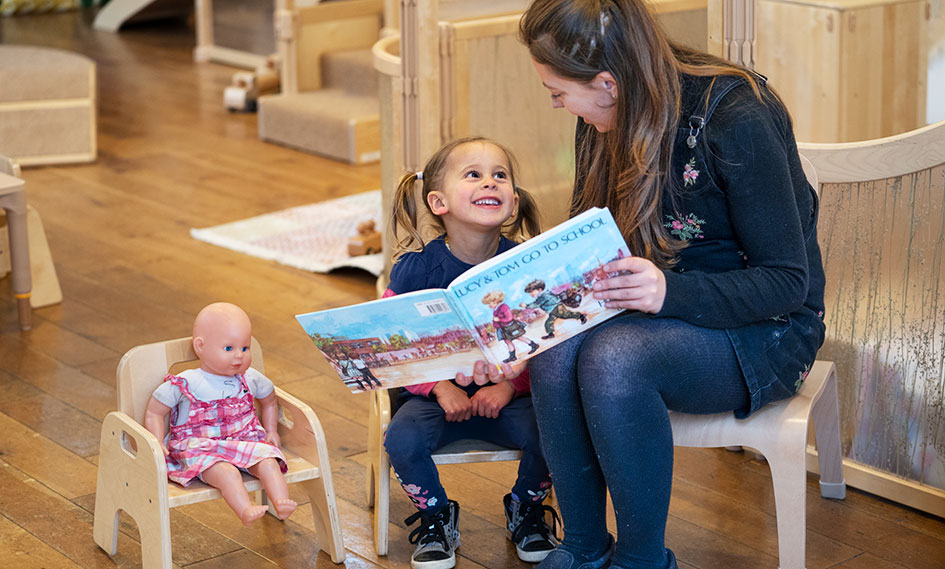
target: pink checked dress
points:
(220, 430)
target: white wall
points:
(935, 102)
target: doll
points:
(214, 432)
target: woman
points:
(696, 159)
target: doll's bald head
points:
(222, 336)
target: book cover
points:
(509, 308)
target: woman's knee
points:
(621, 358)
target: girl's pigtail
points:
(527, 223)
(404, 215)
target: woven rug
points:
(310, 237)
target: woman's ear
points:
(606, 82)
(437, 203)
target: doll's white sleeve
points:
(259, 385)
(168, 394)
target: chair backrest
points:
(881, 225)
(143, 368)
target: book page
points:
(538, 294)
(392, 342)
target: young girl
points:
(469, 187)
(507, 328)
(214, 432)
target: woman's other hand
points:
(638, 285)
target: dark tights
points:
(601, 399)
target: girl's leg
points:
(412, 436)
(630, 370)
(516, 428)
(226, 477)
(568, 450)
(268, 472)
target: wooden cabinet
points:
(847, 69)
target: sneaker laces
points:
(430, 528)
(533, 521)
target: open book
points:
(511, 307)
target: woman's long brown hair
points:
(625, 168)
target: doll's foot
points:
(252, 513)
(534, 348)
(284, 508)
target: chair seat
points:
(299, 470)
(473, 450)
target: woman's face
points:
(595, 101)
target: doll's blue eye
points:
(245, 349)
(228, 348)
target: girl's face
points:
(476, 188)
(595, 101)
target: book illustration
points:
(509, 308)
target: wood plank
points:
(21, 549)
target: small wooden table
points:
(13, 201)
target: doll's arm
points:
(154, 417)
(269, 417)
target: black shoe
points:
(509, 359)
(583, 318)
(529, 530)
(534, 348)
(548, 336)
(437, 538)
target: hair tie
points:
(420, 176)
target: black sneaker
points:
(529, 530)
(437, 538)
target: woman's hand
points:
(640, 285)
(484, 372)
(453, 400)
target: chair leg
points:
(826, 417)
(382, 504)
(105, 522)
(327, 524)
(156, 545)
(789, 475)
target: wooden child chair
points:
(463, 451)
(132, 473)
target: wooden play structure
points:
(117, 13)
(881, 224)
(132, 473)
(847, 69)
(328, 100)
(47, 106)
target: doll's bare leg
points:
(268, 472)
(226, 477)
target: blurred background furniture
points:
(47, 106)
(44, 285)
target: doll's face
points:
(223, 346)
(534, 292)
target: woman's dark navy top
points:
(738, 196)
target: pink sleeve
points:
(423, 389)
(522, 383)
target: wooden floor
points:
(171, 158)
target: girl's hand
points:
(273, 439)
(639, 286)
(488, 401)
(454, 401)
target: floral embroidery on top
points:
(686, 228)
(801, 376)
(690, 174)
